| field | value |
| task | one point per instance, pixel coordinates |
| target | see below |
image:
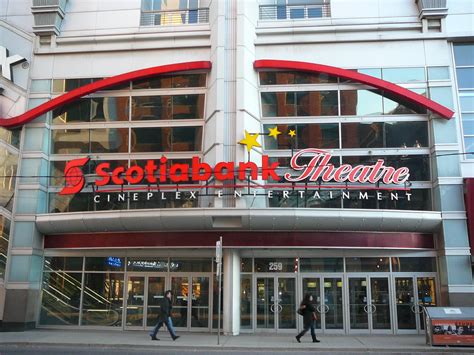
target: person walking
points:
(165, 317)
(308, 311)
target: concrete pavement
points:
(200, 341)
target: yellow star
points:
(274, 132)
(292, 133)
(250, 141)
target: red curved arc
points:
(100, 85)
(386, 86)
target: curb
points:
(215, 348)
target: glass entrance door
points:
(369, 304)
(144, 295)
(191, 301)
(327, 296)
(275, 303)
(412, 294)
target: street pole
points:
(219, 275)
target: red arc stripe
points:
(386, 86)
(100, 85)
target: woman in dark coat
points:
(309, 318)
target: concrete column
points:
(231, 301)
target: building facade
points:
(328, 142)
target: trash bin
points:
(449, 326)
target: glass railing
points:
(174, 17)
(294, 12)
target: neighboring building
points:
(146, 97)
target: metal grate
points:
(174, 17)
(294, 12)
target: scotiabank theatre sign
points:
(309, 169)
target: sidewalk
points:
(140, 339)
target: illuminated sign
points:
(317, 170)
(6, 62)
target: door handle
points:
(280, 308)
(272, 308)
(318, 308)
(374, 309)
(326, 308)
(365, 309)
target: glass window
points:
(403, 75)
(147, 264)
(168, 107)
(11, 136)
(109, 140)
(246, 265)
(292, 77)
(307, 135)
(467, 102)
(40, 86)
(468, 123)
(176, 139)
(464, 53)
(385, 135)
(70, 263)
(361, 102)
(276, 264)
(70, 141)
(65, 85)
(246, 301)
(61, 297)
(415, 199)
(316, 103)
(70, 203)
(4, 241)
(322, 265)
(367, 264)
(376, 73)
(438, 73)
(442, 95)
(195, 265)
(419, 165)
(303, 103)
(418, 264)
(172, 81)
(278, 104)
(8, 166)
(108, 263)
(312, 199)
(98, 109)
(102, 299)
(393, 105)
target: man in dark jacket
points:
(308, 311)
(165, 317)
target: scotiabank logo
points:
(74, 176)
(308, 165)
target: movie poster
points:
(453, 332)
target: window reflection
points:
(403, 75)
(102, 299)
(172, 81)
(98, 109)
(8, 170)
(419, 165)
(166, 139)
(307, 135)
(305, 103)
(385, 135)
(293, 77)
(167, 107)
(109, 140)
(4, 241)
(361, 102)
